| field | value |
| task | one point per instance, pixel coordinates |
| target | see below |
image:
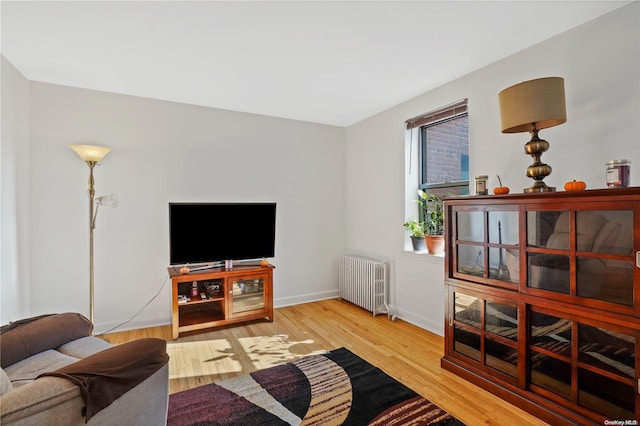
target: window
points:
(444, 149)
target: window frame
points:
(422, 152)
(414, 181)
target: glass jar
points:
(618, 173)
(481, 185)
(194, 291)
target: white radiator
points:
(363, 282)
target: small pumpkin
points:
(264, 262)
(185, 270)
(500, 190)
(575, 185)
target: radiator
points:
(363, 282)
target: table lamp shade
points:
(540, 102)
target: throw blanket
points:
(104, 376)
(336, 388)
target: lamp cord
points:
(137, 313)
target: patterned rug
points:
(336, 388)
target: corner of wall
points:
(14, 201)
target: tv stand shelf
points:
(195, 302)
(224, 296)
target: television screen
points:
(213, 232)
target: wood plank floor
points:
(405, 352)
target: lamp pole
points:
(91, 192)
(92, 155)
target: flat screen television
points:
(215, 232)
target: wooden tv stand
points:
(224, 296)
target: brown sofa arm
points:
(21, 339)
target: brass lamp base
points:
(538, 170)
(540, 186)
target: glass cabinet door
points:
(487, 244)
(504, 256)
(601, 378)
(606, 371)
(548, 263)
(467, 325)
(486, 331)
(247, 295)
(596, 244)
(599, 276)
(470, 242)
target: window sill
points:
(423, 256)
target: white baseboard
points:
(422, 322)
(305, 298)
(134, 324)
(410, 317)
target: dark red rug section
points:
(214, 405)
(376, 399)
(288, 385)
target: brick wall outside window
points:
(445, 156)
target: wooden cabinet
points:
(542, 301)
(219, 296)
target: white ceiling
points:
(329, 62)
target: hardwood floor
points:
(405, 352)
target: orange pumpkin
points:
(501, 190)
(575, 185)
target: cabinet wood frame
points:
(579, 309)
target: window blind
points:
(443, 113)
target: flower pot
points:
(418, 243)
(435, 243)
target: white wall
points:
(600, 62)
(14, 202)
(164, 152)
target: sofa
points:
(54, 371)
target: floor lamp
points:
(91, 155)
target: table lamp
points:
(529, 107)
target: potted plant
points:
(433, 213)
(416, 229)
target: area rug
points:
(335, 388)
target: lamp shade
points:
(90, 153)
(110, 200)
(540, 102)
